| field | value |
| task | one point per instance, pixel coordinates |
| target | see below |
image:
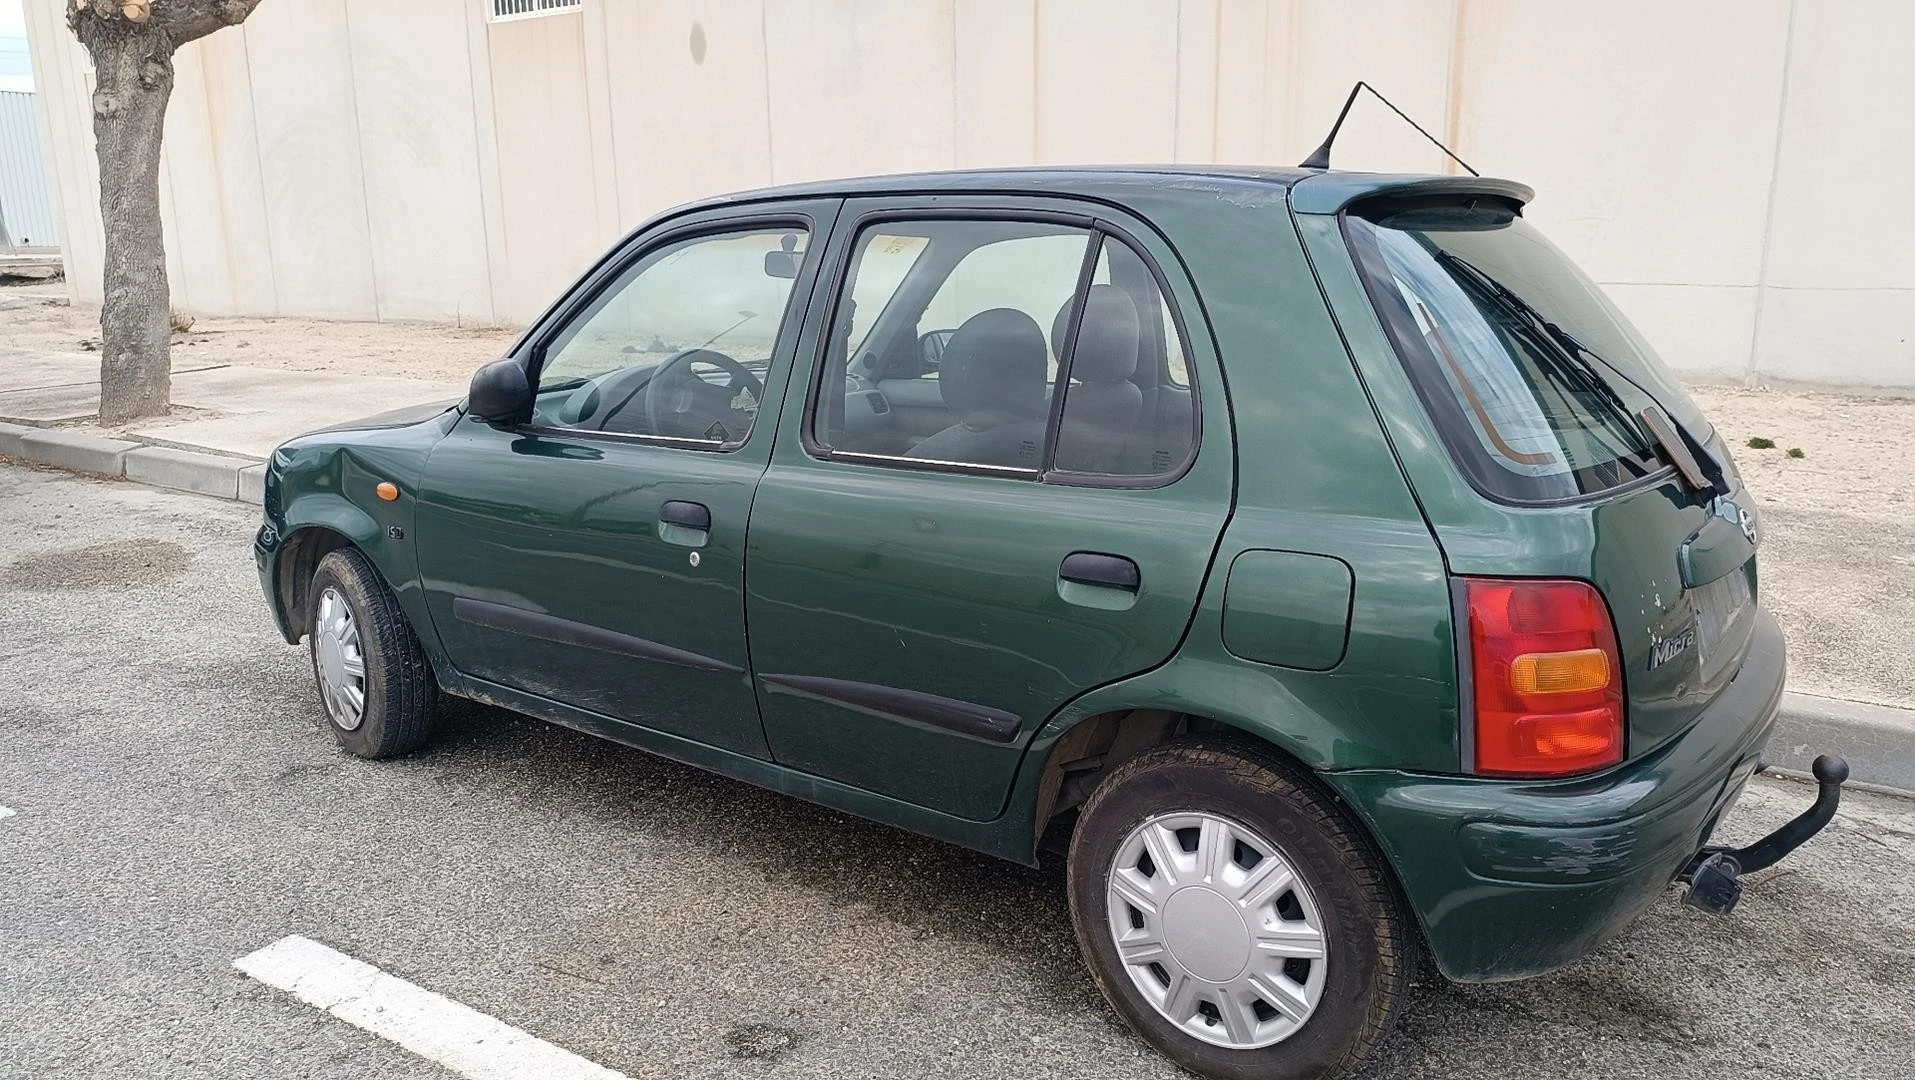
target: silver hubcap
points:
(337, 658)
(1216, 930)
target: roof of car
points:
(1309, 190)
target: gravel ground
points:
(179, 806)
(1839, 554)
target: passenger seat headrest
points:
(992, 372)
(1107, 343)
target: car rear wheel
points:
(374, 681)
(1232, 915)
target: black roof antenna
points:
(1320, 157)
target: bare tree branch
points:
(180, 20)
(189, 20)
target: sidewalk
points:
(225, 421)
(1838, 552)
(240, 387)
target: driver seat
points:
(992, 380)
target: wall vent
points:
(506, 10)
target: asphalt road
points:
(177, 805)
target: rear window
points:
(1533, 377)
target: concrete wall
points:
(368, 160)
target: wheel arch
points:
(299, 556)
(315, 526)
(1081, 755)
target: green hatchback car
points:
(1317, 558)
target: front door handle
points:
(689, 515)
(1095, 568)
(685, 523)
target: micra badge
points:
(1669, 648)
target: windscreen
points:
(1534, 378)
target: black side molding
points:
(892, 703)
(534, 624)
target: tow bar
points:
(1715, 873)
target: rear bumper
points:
(1516, 878)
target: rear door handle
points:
(1094, 568)
(687, 524)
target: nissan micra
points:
(1316, 559)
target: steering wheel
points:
(681, 404)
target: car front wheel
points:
(1233, 916)
(373, 678)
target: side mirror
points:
(500, 394)
(931, 348)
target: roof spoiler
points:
(1331, 192)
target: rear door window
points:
(1041, 348)
(1533, 377)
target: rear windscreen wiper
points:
(1555, 344)
(1669, 437)
(1653, 422)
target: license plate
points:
(1717, 605)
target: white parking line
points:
(5, 813)
(431, 1025)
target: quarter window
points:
(1128, 409)
(678, 347)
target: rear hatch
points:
(1553, 405)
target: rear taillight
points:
(1548, 682)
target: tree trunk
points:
(133, 67)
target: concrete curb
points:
(252, 484)
(184, 470)
(10, 436)
(76, 451)
(1877, 740)
(217, 475)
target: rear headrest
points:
(1107, 343)
(992, 372)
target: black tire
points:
(1370, 950)
(400, 693)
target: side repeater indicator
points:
(387, 490)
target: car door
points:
(921, 603)
(595, 555)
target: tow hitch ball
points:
(1715, 873)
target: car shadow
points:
(911, 881)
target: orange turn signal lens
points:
(1559, 672)
(387, 490)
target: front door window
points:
(678, 346)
